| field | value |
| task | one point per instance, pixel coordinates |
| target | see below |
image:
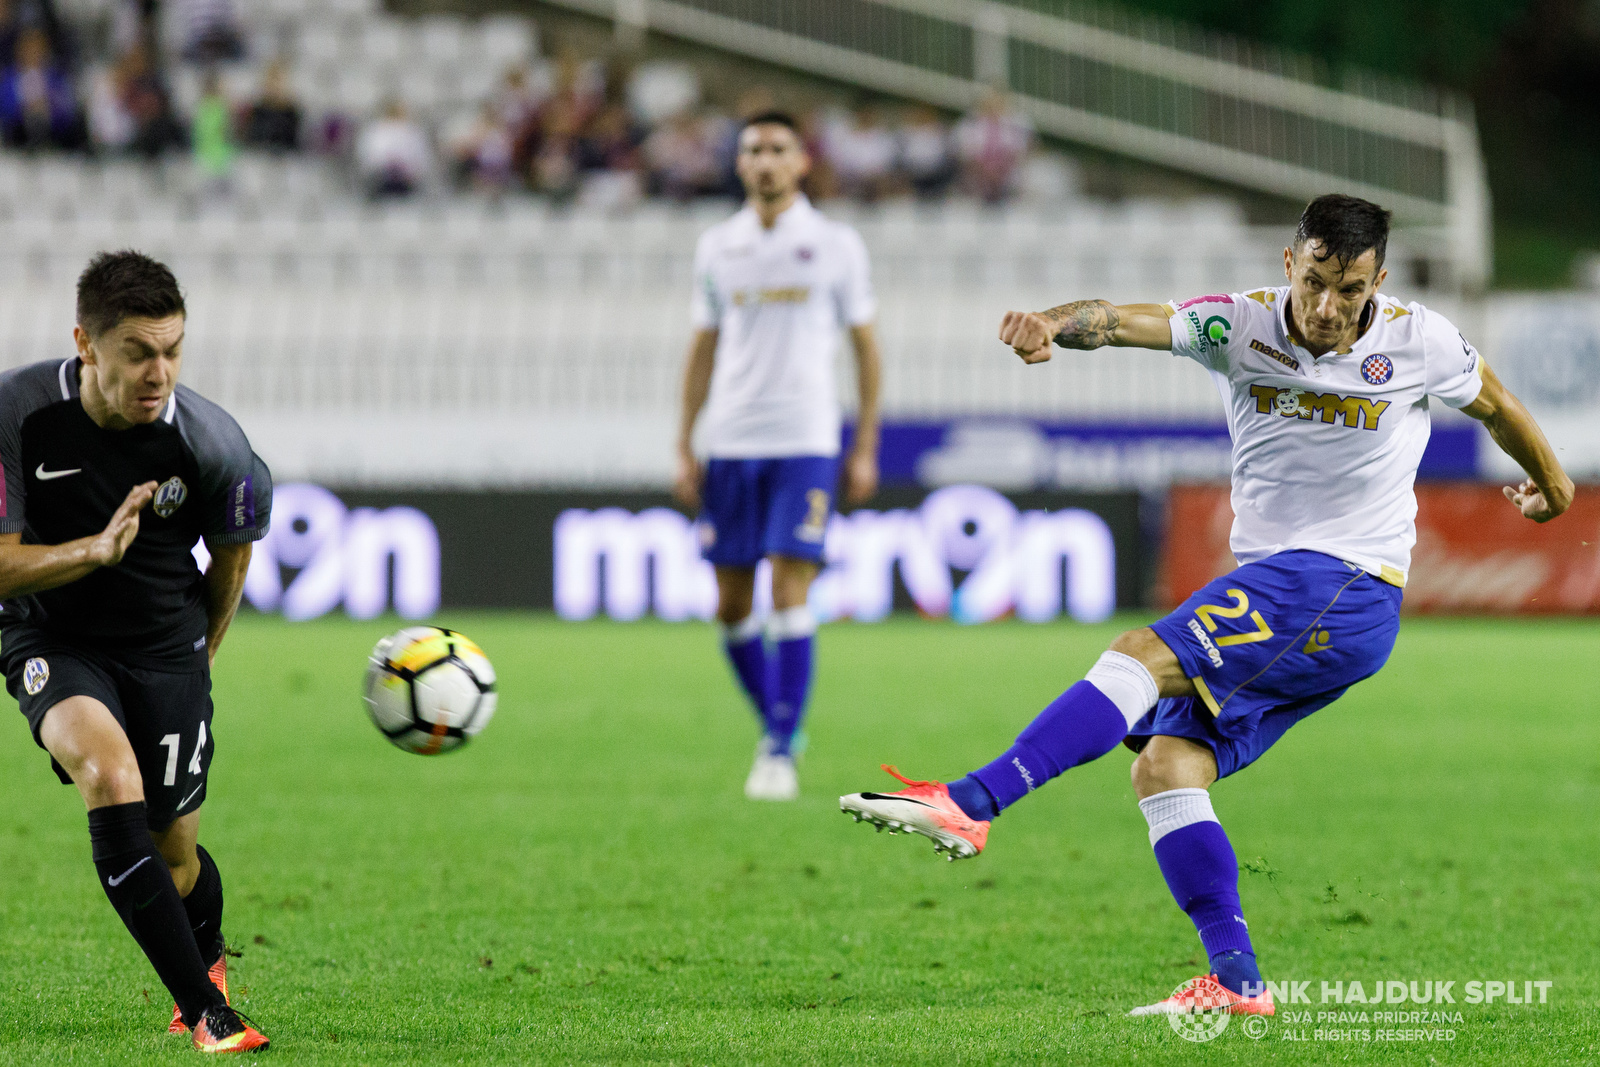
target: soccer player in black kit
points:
(111, 473)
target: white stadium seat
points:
(505, 40)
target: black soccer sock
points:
(137, 881)
(204, 905)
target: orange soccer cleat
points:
(221, 1029)
(1205, 994)
(923, 808)
(219, 978)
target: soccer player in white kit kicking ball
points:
(1327, 384)
(773, 287)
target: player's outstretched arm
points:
(26, 569)
(224, 588)
(1086, 324)
(1548, 491)
(696, 387)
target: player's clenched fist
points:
(1531, 501)
(1029, 334)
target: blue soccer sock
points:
(788, 673)
(1080, 725)
(1203, 874)
(747, 651)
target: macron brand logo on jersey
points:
(1356, 411)
(1267, 350)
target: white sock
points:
(743, 631)
(1126, 682)
(791, 623)
(1175, 809)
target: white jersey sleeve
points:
(1202, 326)
(1453, 372)
(705, 305)
(853, 296)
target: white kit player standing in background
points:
(774, 287)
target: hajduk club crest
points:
(1377, 369)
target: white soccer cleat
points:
(924, 808)
(772, 777)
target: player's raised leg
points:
(1080, 725)
(1171, 777)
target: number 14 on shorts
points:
(172, 742)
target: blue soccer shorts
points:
(754, 508)
(1266, 645)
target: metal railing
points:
(1201, 103)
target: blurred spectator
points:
(211, 30)
(212, 135)
(925, 155)
(863, 152)
(819, 184)
(681, 160)
(133, 25)
(990, 143)
(18, 16)
(392, 154)
(111, 124)
(483, 153)
(156, 127)
(609, 142)
(608, 156)
(554, 167)
(38, 107)
(517, 101)
(273, 120)
(10, 29)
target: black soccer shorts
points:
(166, 714)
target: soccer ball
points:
(429, 689)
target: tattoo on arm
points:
(1084, 324)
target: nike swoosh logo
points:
(123, 877)
(190, 797)
(48, 476)
(908, 800)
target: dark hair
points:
(772, 118)
(127, 284)
(1346, 226)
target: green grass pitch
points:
(586, 883)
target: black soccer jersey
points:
(63, 478)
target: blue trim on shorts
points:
(1268, 644)
(754, 508)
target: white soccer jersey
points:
(779, 299)
(1325, 451)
